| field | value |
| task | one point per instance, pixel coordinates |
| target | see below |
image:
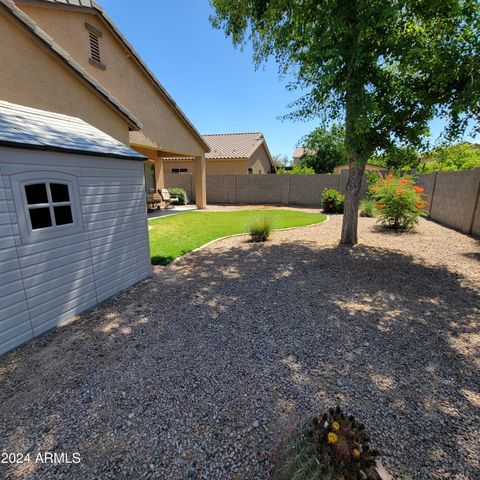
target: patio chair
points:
(153, 200)
(167, 199)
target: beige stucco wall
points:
(163, 127)
(259, 161)
(36, 79)
(340, 168)
(219, 166)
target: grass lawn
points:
(171, 237)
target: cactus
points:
(331, 447)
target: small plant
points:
(399, 201)
(368, 208)
(179, 193)
(332, 201)
(260, 230)
(328, 448)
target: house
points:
(368, 166)
(73, 227)
(297, 155)
(229, 153)
(90, 43)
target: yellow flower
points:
(356, 453)
(335, 426)
(331, 438)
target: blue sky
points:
(215, 84)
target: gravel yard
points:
(197, 374)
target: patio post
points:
(200, 182)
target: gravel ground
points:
(197, 374)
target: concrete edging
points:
(205, 245)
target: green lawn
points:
(173, 236)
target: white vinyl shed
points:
(73, 227)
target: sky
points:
(215, 85)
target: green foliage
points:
(176, 235)
(373, 177)
(179, 193)
(397, 158)
(332, 447)
(280, 161)
(384, 68)
(332, 201)
(324, 149)
(368, 208)
(463, 156)
(260, 229)
(297, 169)
(399, 201)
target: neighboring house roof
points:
(231, 146)
(70, 63)
(90, 4)
(32, 128)
(299, 151)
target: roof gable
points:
(85, 5)
(29, 127)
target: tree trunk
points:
(352, 199)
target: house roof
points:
(60, 53)
(233, 145)
(298, 152)
(94, 6)
(32, 128)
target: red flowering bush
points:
(399, 201)
(332, 201)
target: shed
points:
(73, 227)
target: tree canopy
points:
(384, 68)
(324, 149)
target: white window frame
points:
(27, 233)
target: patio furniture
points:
(167, 199)
(153, 201)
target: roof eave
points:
(69, 62)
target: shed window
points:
(48, 205)
(179, 170)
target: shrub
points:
(327, 448)
(368, 208)
(179, 193)
(332, 201)
(260, 230)
(399, 201)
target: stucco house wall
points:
(36, 79)
(259, 161)
(163, 129)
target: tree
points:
(324, 149)
(463, 156)
(296, 169)
(385, 68)
(398, 158)
(280, 161)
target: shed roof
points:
(95, 7)
(32, 128)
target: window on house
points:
(250, 170)
(179, 170)
(149, 177)
(48, 205)
(94, 35)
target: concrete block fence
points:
(453, 197)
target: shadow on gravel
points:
(215, 361)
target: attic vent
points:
(94, 48)
(94, 34)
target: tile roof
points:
(32, 128)
(95, 6)
(233, 145)
(299, 151)
(29, 24)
